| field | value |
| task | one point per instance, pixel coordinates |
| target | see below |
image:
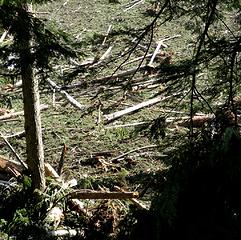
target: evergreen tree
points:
(32, 47)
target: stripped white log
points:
(114, 116)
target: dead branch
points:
(119, 75)
(14, 152)
(135, 3)
(105, 55)
(103, 154)
(108, 31)
(61, 161)
(17, 134)
(50, 172)
(81, 194)
(197, 121)
(134, 150)
(159, 45)
(71, 100)
(77, 206)
(137, 59)
(133, 200)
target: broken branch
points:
(72, 101)
(102, 195)
(131, 151)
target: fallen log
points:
(197, 121)
(114, 116)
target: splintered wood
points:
(10, 167)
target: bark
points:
(34, 144)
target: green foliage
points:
(49, 44)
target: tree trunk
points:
(34, 144)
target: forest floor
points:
(95, 146)
(86, 134)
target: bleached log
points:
(71, 100)
(114, 116)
